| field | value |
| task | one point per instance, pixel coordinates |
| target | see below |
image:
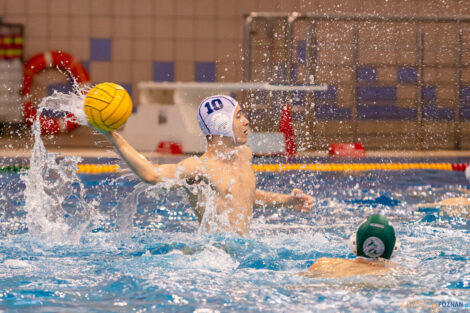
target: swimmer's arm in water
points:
(297, 200)
(144, 168)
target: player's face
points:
(240, 126)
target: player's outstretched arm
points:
(297, 200)
(136, 161)
(144, 168)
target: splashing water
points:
(163, 266)
(126, 209)
(52, 181)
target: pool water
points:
(107, 243)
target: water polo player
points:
(374, 244)
(225, 167)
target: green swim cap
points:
(375, 238)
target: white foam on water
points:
(213, 258)
(18, 264)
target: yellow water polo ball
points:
(107, 106)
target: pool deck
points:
(84, 142)
(17, 141)
(109, 153)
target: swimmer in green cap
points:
(374, 244)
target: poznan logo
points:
(421, 305)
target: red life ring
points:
(36, 64)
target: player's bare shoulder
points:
(246, 153)
(190, 167)
(193, 171)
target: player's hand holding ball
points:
(107, 106)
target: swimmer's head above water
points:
(221, 115)
(375, 238)
(373, 244)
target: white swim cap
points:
(215, 115)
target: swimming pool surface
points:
(107, 243)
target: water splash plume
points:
(52, 183)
